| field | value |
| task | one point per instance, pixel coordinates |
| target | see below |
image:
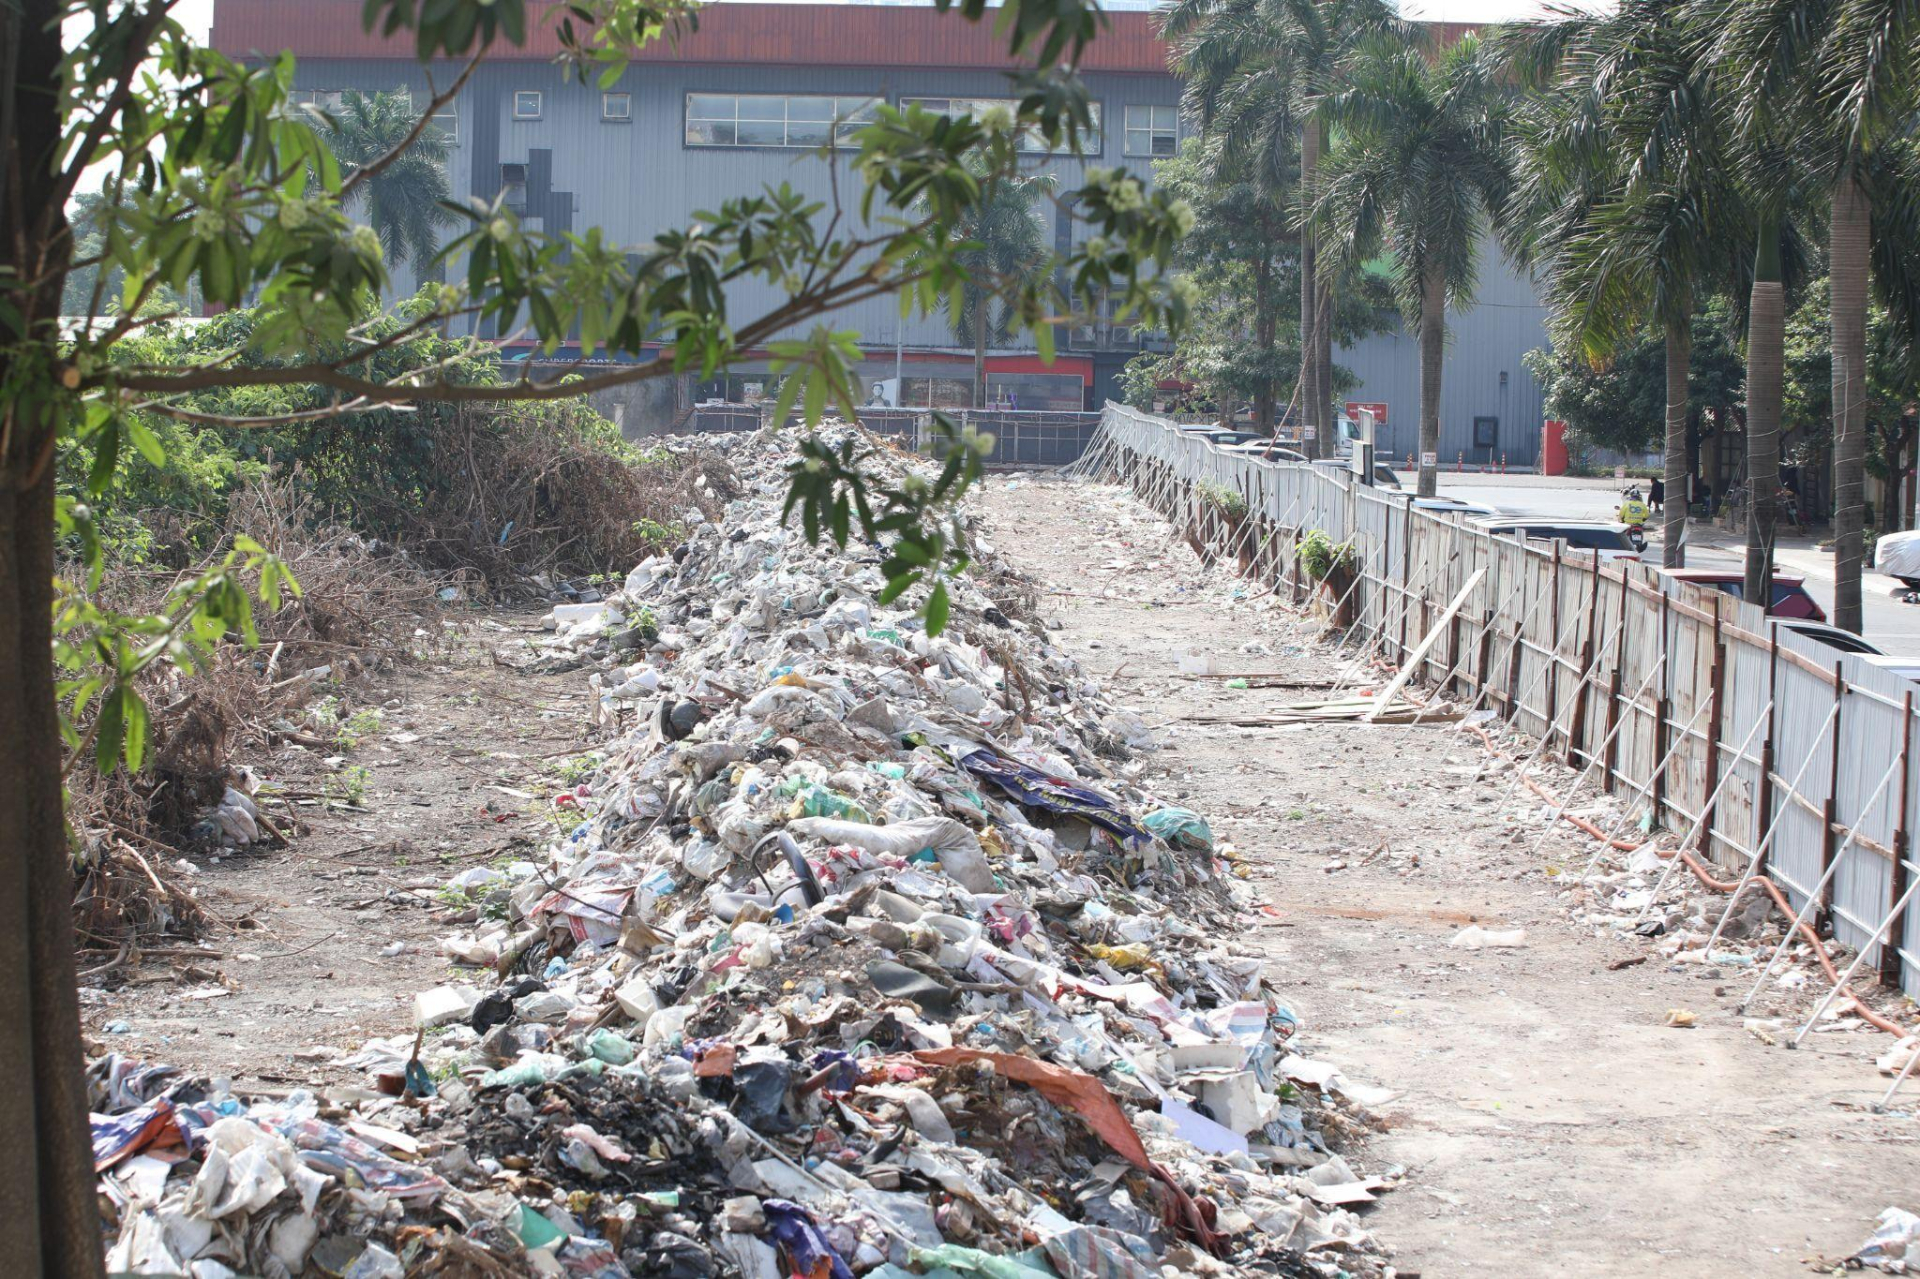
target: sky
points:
(197, 15)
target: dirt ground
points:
(1549, 1120)
(460, 769)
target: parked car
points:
(1847, 642)
(1898, 556)
(1790, 598)
(1455, 506)
(1832, 637)
(1263, 447)
(1605, 540)
(1904, 667)
(1382, 476)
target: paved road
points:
(1892, 625)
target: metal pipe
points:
(1800, 917)
(1594, 757)
(1579, 691)
(1913, 1059)
(1773, 824)
(1858, 958)
(1642, 788)
(1701, 819)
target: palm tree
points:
(405, 201)
(1257, 73)
(1418, 170)
(1626, 206)
(1006, 239)
(1838, 78)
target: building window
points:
(326, 101)
(616, 108)
(1031, 140)
(773, 120)
(1153, 130)
(447, 120)
(526, 104)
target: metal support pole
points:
(1800, 917)
(1593, 757)
(1913, 1059)
(1680, 853)
(1546, 737)
(1758, 857)
(1577, 722)
(1902, 847)
(1642, 789)
(1858, 959)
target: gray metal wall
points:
(637, 178)
(1484, 345)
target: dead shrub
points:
(553, 495)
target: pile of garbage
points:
(864, 952)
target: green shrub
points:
(1226, 500)
(1322, 556)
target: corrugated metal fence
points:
(1740, 733)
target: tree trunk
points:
(1847, 235)
(1766, 353)
(980, 352)
(1433, 345)
(1263, 337)
(46, 1183)
(1673, 518)
(1903, 476)
(1323, 367)
(1312, 394)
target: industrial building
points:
(747, 100)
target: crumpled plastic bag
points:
(1181, 827)
(245, 1169)
(1894, 1245)
(957, 847)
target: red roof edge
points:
(732, 33)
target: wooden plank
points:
(1408, 667)
(1715, 695)
(1829, 812)
(1582, 695)
(1662, 717)
(1553, 663)
(1897, 882)
(1611, 735)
